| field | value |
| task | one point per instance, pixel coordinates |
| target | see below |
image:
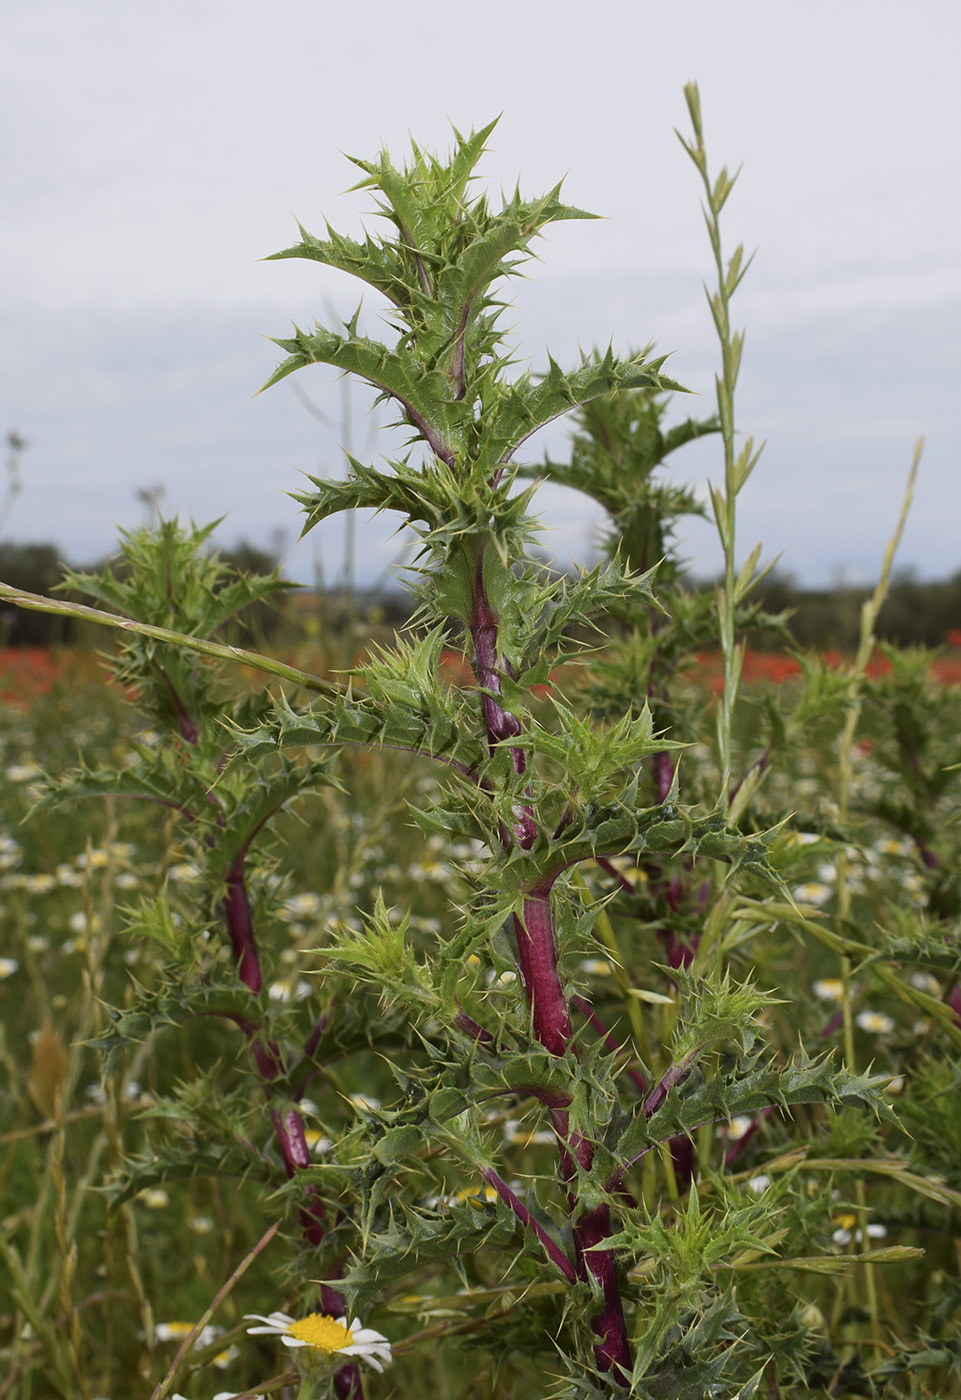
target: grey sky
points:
(152, 155)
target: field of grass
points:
(98, 1295)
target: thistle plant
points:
(578, 1079)
(538, 787)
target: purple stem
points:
(736, 1148)
(237, 912)
(470, 1027)
(188, 730)
(610, 1040)
(663, 766)
(537, 959)
(613, 1351)
(289, 1128)
(673, 1076)
(537, 963)
(500, 724)
(613, 871)
(551, 1248)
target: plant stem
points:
(869, 614)
(35, 602)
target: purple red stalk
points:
(550, 1014)
(289, 1125)
(551, 1247)
(240, 928)
(537, 960)
(609, 1039)
(489, 671)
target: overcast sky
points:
(152, 155)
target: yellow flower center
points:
(327, 1334)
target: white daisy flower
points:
(829, 989)
(814, 892)
(302, 905)
(874, 1021)
(329, 1335)
(364, 1101)
(176, 1331)
(184, 872)
(39, 884)
(739, 1125)
(289, 989)
(759, 1184)
(23, 772)
(8, 966)
(317, 1142)
(154, 1198)
(95, 859)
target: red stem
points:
(240, 928)
(537, 959)
(537, 963)
(552, 1249)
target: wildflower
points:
(926, 983)
(289, 989)
(474, 1196)
(597, 967)
(829, 989)
(176, 1331)
(11, 853)
(301, 906)
(329, 1335)
(758, 1184)
(814, 892)
(519, 1136)
(221, 1394)
(887, 847)
(874, 1021)
(317, 1142)
(200, 1224)
(39, 884)
(364, 1101)
(154, 1198)
(737, 1127)
(844, 1234)
(78, 923)
(95, 859)
(8, 966)
(67, 876)
(185, 871)
(23, 772)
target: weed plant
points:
(576, 1028)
